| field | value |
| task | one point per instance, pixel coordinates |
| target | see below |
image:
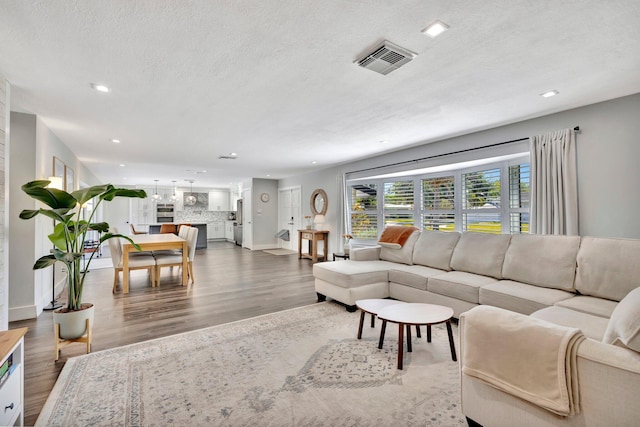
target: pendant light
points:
(190, 199)
(173, 197)
(156, 196)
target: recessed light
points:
(313, 162)
(384, 142)
(549, 94)
(268, 174)
(233, 154)
(115, 141)
(100, 88)
(121, 165)
(434, 29)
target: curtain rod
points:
(435, 156)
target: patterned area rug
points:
(300, 367)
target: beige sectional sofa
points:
(569, 281)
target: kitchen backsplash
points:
(201, 215)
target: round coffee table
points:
(373, 306)
(416, 314)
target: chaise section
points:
(349, 281)
(521, 297)
(590, 305)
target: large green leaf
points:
(85, 194)
(52, 197)
(55, 214)
(102, 227)
(123, 192)
(44, 262)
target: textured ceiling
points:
(274, 81)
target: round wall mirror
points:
(319, 202)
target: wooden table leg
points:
(383, 329)
(185, 265)
(373, 320)
(400, 344)
(428, 333)
(409, 344)
(451, 344)
(125, 270)
(362, 313)
(418, 333)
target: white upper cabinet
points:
(178, 205)
(219, 200)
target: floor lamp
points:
(56, 182)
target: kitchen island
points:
(201, 243)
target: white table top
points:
(416, 314)
(373, 306)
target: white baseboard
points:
(23, 313)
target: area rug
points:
(300, 367)
(280, 252)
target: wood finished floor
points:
(231, 284)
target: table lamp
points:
(318, 220)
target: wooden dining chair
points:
(134, 231)
(168, 228)
(171, 260)
(141, 261)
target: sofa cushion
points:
(520, 297)
(480, 253)
(414, 276)
(458, 284)
(590, 305)
(624, 326)
(595, 275)
(404, 255)
(434, 249)
(548, 261)
(350, 274)
(592, 326)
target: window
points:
(364, 211)
(438, 203)
(398, 203)
(481, 201)
(493, 198)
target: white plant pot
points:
(73, 323)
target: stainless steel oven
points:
(164, 212)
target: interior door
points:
(289, 216)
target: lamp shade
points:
(318, 219)
(56, 182)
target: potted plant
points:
(68, 237)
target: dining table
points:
(153, 242)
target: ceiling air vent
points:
(227, 157)
(385, 58)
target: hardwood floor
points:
(231, 284)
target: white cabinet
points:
(215, 230)
(219, 200)
(178, 204)
(143, 210)
(228, 231)
(12, 378)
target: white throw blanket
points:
(529, 358)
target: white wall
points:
(5, 127)
(608, 149)
(265, 215)
(33, 146)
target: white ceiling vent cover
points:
(385, 58)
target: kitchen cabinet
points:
(215, 230)
(142, 211)
(179, 203)
(219, 200)
(228, 230)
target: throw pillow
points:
(624, 326)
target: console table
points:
(313, 236)
(12, 378)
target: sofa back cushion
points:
(548, 261)
(403, 255)
(480, 253)
(608, 268)
(434, 249)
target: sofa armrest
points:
(371, 253)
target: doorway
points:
(289, 216)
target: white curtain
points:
(554, 184)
